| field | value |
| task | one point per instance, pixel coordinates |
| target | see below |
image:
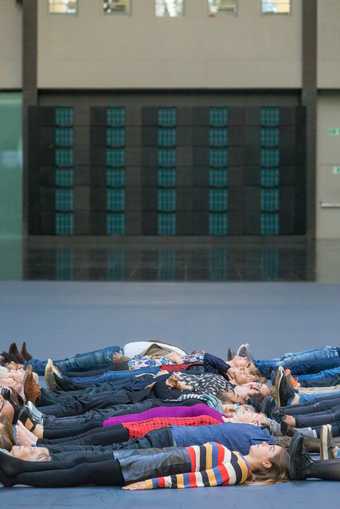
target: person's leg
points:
(309, 408)
(318, 396)
(325, 378)
(55, 475)
(102, 358)
(58, 427)
(96, 436)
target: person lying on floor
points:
(210, 464)
(302, 365)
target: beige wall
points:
(328, 184)
(329, 43)
(10, 45)
(91, 50)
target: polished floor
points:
(225, 260)
(62, 318)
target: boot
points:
(327, 446)
(31, 387)
(24, 352)
(15, 354)
(286, 392)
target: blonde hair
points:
(278, 472)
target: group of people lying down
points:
(150, 415)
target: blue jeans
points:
(82, 362)
(309, 361)
(109, 376)
(306, 399)
(324, 378)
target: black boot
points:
(299, 461)
(286, 392)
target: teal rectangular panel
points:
(218, 117)
(64, 223)
(115, 199)
(270, 136)
(115, 224)
(167, 137)
(64, 116)
(115, 157)
(116, 116)
(218, 157)
(167, 224)
(218, 177)
(64, 178)
(166, 177)
(270, 116)
(218, 199)
(167, 117)
(167, 200)
(167, 157)
(218, 224)
(218, 137)
(269, 224)
(115, 137)
(115, 178)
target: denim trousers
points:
(325, 378)
(300, 363)
(97, 359)
(108, 376)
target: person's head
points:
(240, 375)
(268, 462)
(28, 453)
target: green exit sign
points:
(334, 131)
(336, 170)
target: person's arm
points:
(223, 475)
(213, 363)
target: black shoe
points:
(15, 354)
(230, 355)
(299, 461)
(268, 406)
(286, 391)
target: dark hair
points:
(6, 435)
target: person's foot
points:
(15, 354)
(230, 354)
(327, 448)
(291, 379)
(49, 375)
(31, 387)
(23, 436)
(298, 460)
(243, 351)
(286, 391)
(278, 375)
(24, 352)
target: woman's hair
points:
(6, 436)
(256, 373)
(278, 472)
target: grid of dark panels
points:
(218, 170)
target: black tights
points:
(97, 436)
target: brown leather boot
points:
(24, 352)
(31, 387)
(15, 354)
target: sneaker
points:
(50, 375)
(243, 351)
(286, 391)
(291, 379)
(278, 375)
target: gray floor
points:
(63, 318)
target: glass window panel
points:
(218, 117)
(270, 116)
(167, 200)
(270, 199)
(270, 177)
(270, 136)
(115, 199)
(222, 7)
(218, 178)
(116, 6)
(218, 158)
(115, 157)
(167, 265)
(218, 224)
(115, 116)
(166, 177)
(64, 116)
(169, 8)
(115, 224)
(167, 157)
(115, 178)
(166, 224)
(115, 137)
(64, 264)
(64, 136)
(167, 137)
(64, 199)
(64, 224)
(276, 6)
(270, 224)
(218, 137)
(64, 157)
(218, 199)
(64, 178)
(270, 157)
(167, 117)
(63, 6)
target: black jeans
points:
(77, 405)
(97, 436)
(318, 406)
(59, 427)
(318, 419)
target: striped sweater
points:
(141, 428)
(211, 465)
